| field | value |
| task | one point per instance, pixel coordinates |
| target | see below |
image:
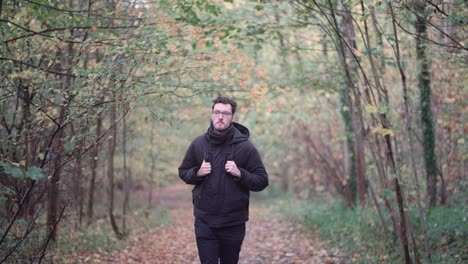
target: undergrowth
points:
(359, 236)
(99, 237)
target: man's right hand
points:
(204, 170)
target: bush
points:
(358, 233)
(448, 233)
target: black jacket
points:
(219, 198)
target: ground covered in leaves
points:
(269, 238)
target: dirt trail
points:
(269, 238)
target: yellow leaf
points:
(371, 109)
(383, 131)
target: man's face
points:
(221, 116)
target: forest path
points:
(269, 238)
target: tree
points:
(424, 85)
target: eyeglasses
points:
(224, 114)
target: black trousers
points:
(219, 243)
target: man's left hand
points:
(231, 167)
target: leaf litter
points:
(270, 239)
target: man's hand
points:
(204, 170)
(231, 167)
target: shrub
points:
(358, 233)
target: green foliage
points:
(15, 171)
(167, 60)
(29, 246)
(448, 233)
(358, 234)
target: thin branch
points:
(437, 8)
(50, 234)
(42, 33)
(55, 8)
(28, 231)
(37, 67)
(458, 46)
(87, 11)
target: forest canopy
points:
(362, 101)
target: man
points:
(224, 166)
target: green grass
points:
(359, 237)
(448, 232)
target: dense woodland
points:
(359, 101)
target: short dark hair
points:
(225, 100)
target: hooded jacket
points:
(221, 199)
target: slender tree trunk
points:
(53, 185)
(350, 95)
(26, 97)
(378, 35)
(110, 166)
(77, 175)
(409, 130)
(126, 171)
(57, 147)
(53, 196)
(349, 142)
(96, 147)
(94, 168)
(424, 85)
(382, 93)
(348, 49)
(346, 109)
(404, 237)
(151, 172)
(81, 191)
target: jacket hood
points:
(241, 133)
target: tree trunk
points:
(152, 171)
(77, 175)
(424, 85)
(53, 185)
(95, 154)
(381, 91)
(110, 166)
(346, 110)
(26, 98)
(356, 113)
(94, 167)
(403, 235)
(349, 143)
(57, 147)
(127, 179)
(351, 109)
(409, 131)
(378, 35)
